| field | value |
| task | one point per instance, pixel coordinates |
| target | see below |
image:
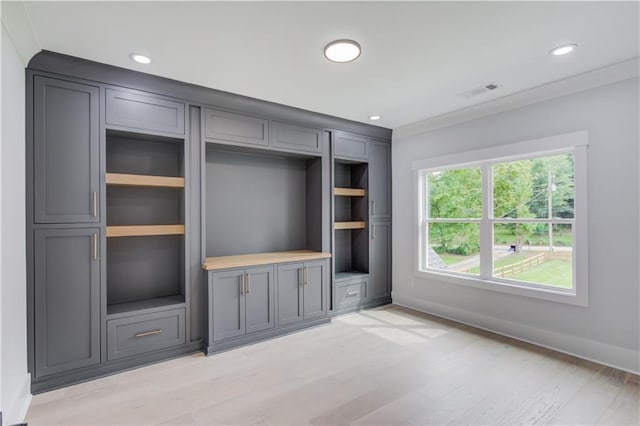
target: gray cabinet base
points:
(265, 335)
(85, 374)
(369, 305)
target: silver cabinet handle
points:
(306, 276)
(242, 285)
(300, 277)
(373, 205)
(94, 241)
(352, 293)
(248, 283)
(373, 232)
(149, 333)
(94, 203)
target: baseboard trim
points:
(16, 412)
(591, 350)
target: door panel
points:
(260, 303)
(66, 151)
(67, 299)
(289, 293)
(228, 304)
(315, 300)
(380, 180)
(381, 259)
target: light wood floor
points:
(389, 366)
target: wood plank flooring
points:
(389, 366)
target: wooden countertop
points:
(244, 260)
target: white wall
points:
(15, 382)
(608, 330)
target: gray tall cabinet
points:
(165, 218)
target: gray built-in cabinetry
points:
(165, 218)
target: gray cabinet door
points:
(235, 129)
(350, 146)
(144, 111)
(315, 298)
(259, 297)
(381, 259)
(380, 180)
(66, 150)
(228, 304)
(290, 293)
(67, 300)
(295, 138)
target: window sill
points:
(571, 297)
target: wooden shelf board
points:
(122, 179)
(349, 192)
(144, 230)
(350, 225)
(245, 260)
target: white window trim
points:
(575, 143)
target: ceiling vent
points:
(479, 90)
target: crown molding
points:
(588, 80)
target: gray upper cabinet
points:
(144, 112)
(67, 300)
(350, 146)
(381, 259)
(243, 301)
(235, 129)
(228, 304)
(296, 138)
(66, 151)
(290, 293)
(380, 180)
(314, 289)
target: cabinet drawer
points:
(350, 294)
(143, 333)
(144, 112)
(297, 138)
(236, 129)
(351, 146)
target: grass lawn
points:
(449, 258)
(552, 272)
(503, 236)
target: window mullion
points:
(486, 225)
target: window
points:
(510, 222)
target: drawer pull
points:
(352, 293)
(148, 333)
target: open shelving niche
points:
(145, 222)
(261, 203)
(351, 215)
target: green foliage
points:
(456, 193)
(520, 190)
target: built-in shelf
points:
(122, 179)
(350, 275)
(120, 309)
(245, 260)
(350, 225)
(144, 230)
(349, 192)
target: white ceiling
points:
(416, 57)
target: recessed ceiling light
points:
(374, 117)
(563, 50)
(139, 58)
(342, 51)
